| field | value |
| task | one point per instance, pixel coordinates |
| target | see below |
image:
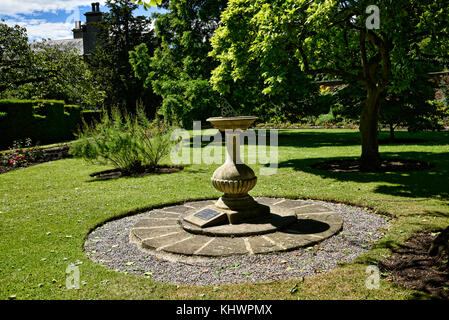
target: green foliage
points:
(263, 41)
(18, 122)
(91, 116)
(132, 144)
(16, 58)
(414, 108)
(148, 3)
(180, 67)
(119, 32)
(41, 71)
(73, 114)
(44, 121)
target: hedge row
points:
(44, 121)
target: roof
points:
(76, 44)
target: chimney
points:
(78, 31)
(91, 29)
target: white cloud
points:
(38, 29)
(13, 8)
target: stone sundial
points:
(236, 223)
(235, 179)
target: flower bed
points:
(22, 155)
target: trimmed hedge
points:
(44, 121)
(91, 116)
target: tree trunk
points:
(369, 120)
(391, 132)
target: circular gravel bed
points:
(110, 246)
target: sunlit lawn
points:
(46, 212)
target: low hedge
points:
(44, 121)
(91, 116)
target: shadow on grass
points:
(330, 138)
(431, 183)
(114, 174)
(337, 138)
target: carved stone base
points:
(241, 207)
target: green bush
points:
(131, 144)
(54, 128)
(18, 122)
(45, 121)
(91, 116)
(73, 117)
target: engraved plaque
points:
(207, 214)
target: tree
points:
(331, 38)
(120, 32)
(415, 107)
(17, 62)
(42, 71)
(179, 70)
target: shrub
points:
(41, 120)
(132, 144)
(17, 122)
(73, 117)
(155, 140)
(91, 116)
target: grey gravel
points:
(109, 245)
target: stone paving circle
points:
(163, 230)
(110, 246)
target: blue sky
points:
(50, 19)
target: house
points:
(84, 35)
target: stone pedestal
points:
(234, 178)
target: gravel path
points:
(109, 245)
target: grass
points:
(47, 211)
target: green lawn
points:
(46, 212)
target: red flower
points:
(11, 162)
(23, 157)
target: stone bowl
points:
(234, 123)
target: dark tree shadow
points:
(330, 138)
(411, 266)
(431, 183)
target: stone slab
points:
(178, 209)
(162, 241)
(311, 209)
(191, 246)
(307, 225)
(147, 223)
(260, 245)
(144, 233)
(222, 247)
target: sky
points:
(50, 19)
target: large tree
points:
(41, 71)
(334, 39)
(179, 70)
(120, 32)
